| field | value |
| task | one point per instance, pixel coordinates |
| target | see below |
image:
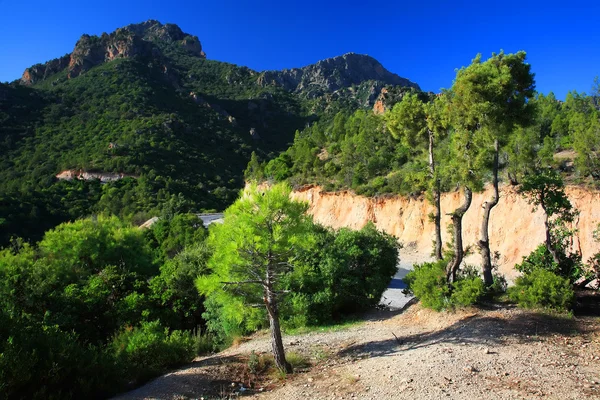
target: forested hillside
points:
(388, 153)
(144, 102)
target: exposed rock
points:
(594, 284)
(40, 72)
(390, 95)
(329, 75)
(582, 281)
(104, 177)
(254, 134)
(127, 42)
(379, 106)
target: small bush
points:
(297, 360)
(253, 362)
(150, 349)
(42, 362)
(204, 343)
(499, 286)
(570, 266)
(542, 289)
(467, 291)
(428, 283)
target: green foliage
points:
(254, 170)
(569, 267)
(63, 300)
(44, 362)
(171, 234)
(88, 276)
(542, 289)
(428, 283)
(344, 272)
(545, 189)
(262, 230)
(173, 289)
(146, 351)
(167, 129)
(467, 291)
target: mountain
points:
(138, 118)
(127, 42)
(332, 74)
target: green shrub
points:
(42, 362)
(253, 362)
(428, 283)
(150, 349)
(204, 343)
(345, 272)
(499, 286)
(570, 266)
(467, 291)
(542, 289)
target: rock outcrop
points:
(104, 177)
(514, 229)
(40, 72)
(332, 74)
(127, 42)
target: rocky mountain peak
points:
(332, 74)
(126, 42)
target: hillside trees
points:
(253, 249)
(416, 123)
(489, 98)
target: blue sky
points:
(424, 41)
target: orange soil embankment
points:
(515, 230)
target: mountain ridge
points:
(334, 73)
(313, 80)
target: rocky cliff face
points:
(514, 229)
(332, 74)
(130, 41)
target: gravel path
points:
(418, 354)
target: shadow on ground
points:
(484, 330)
(189, 381)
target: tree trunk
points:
(459, 252)
(275, 328)
(549, 244)
(484, 242)
(437, 217)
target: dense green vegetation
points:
(98, 305)
(90, 309)
(271, 263)
(175, 123)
